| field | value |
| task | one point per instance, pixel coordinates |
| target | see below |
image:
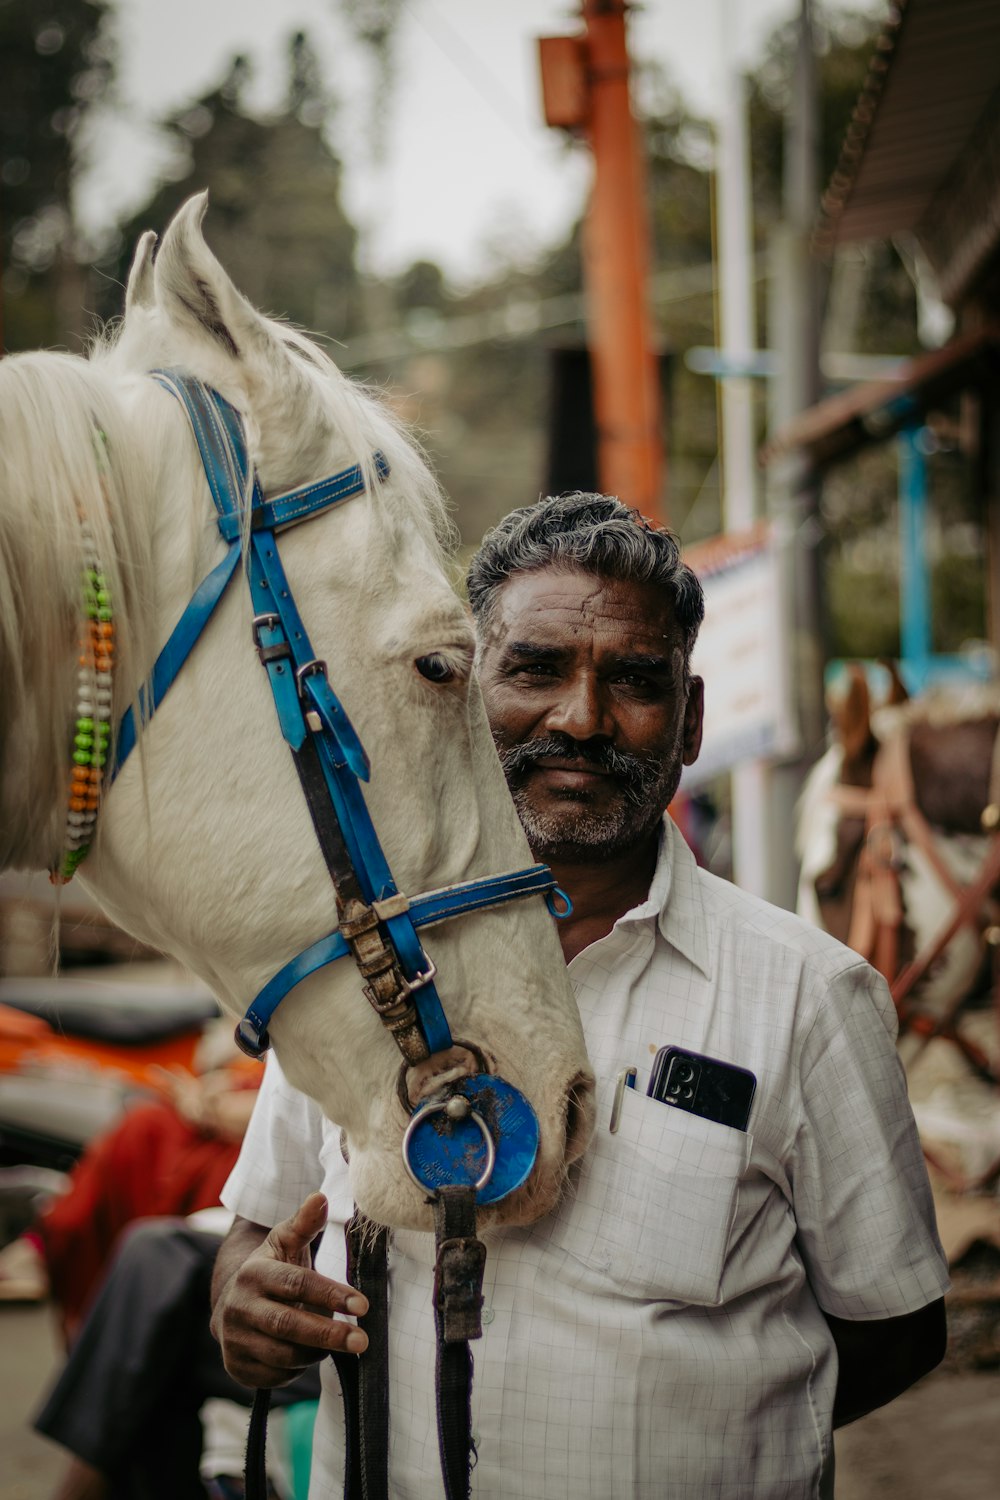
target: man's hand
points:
(272, 1313)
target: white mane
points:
(55, 466)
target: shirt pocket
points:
(652, 1209)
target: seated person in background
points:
(128, 1402)
(165, 1157)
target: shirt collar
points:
(676, 901)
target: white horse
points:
(204, 846)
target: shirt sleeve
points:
(863, 1205)
(281, 1160)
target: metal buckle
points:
(263, 622)
(419, 980)
(308, 669)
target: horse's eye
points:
(435, 668)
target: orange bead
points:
(77, 804)
(105, 629)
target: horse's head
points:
(830, 829)
(204, 844)
(889, 826)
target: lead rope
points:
(460, 1260)
(458, 1307)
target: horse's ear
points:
(897, 687)
(853, 715)
(192, 287)
(139, 288)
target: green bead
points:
(81, 757)
(72, 861)
(104, 730)
(84, 723)
(105, 614)
(83, 741)
(103, 597)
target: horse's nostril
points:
(579, 1116)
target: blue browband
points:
(307, 706)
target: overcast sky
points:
(467, 161)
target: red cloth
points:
(150, 1164)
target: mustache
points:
(638, 774)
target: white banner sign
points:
(742, 653)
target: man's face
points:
(583, 680)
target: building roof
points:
(928, 115)
(840, 425)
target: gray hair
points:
(595, 533)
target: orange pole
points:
(631, 459)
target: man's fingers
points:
(276, 1314)
(297, 1329)
(291, 1239)
(282, 1341)
(284, 1282)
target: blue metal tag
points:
(446, 1152)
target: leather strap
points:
(366, 1406)
(458, 1304)
(424, 911)
(255, 1469)
(182, 641)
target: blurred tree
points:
(56, 64)
(374, 23)
(276, 220)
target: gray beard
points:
(576, 833)
(573, 831)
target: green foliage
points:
(56, 62)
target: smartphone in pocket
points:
(703, 1086)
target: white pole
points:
(750, 788)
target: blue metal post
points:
(914, 585)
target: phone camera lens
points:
(685, 1072)
(674, 1090)
(687, 1093)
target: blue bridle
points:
(308, 708)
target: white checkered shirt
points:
(660, 1335)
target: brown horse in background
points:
(899, 849)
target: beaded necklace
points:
(92, 726)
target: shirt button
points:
(488, 1315)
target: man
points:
(707, 1302)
